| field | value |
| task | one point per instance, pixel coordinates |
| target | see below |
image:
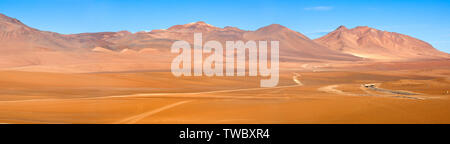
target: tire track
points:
(366, 87)
(159, 95)
(136, 118)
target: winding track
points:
(389, 93)
(185, 95)
(136, 118)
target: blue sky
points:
(428, 20)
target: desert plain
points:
(349, 76)
(307, 95)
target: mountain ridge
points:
(371, 43)
(21, 45)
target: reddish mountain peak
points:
(372, 43)
(124, 32)
(272, 27)
(195, 26)
(10, 24)
(4, 18)
(360, 31)
(278, 29)
(200, 22)
(363, 29)
(231, 28)
(342, 28)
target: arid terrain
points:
(158, 97)
(359, 75)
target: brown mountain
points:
(21, 45)
(25, 47)
(296, 46)
(293, 45)
(17, 37)
(375, 44)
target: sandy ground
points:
(157, 97)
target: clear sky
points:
(428, 20)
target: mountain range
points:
(23, 47)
